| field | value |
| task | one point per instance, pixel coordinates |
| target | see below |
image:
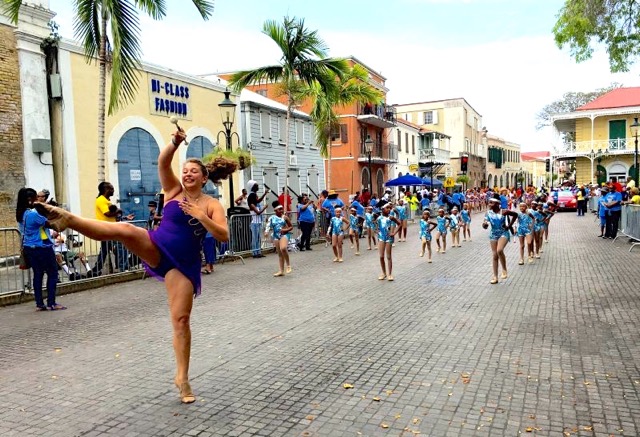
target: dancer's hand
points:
(193, 210)
(178, 137)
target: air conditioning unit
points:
(293, 160)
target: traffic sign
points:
(413, 167)
(449, 183)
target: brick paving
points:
(552, 350)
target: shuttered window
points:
(265, 126)
(343, 133)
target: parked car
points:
(566, 200)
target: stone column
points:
(31, 30)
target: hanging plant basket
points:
(242, 157)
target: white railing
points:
(620, 145)
(441, 156)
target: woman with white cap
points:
(499, 235)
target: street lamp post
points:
(634, 131)
(368, 147)
(228, 114)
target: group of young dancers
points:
(388, 224)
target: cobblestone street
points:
(553, 350)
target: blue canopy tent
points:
(428, 182)
(403, 181)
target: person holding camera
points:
(306, 221)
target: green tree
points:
(110, 29)
(352, 87)
(304, 62)
(615, 24)
(569, 102)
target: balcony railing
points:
(383, 153)
(618, 146)
(378, 115)
(440, 155)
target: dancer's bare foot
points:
(58, 218)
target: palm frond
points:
(86, 26)
(205, 8)
(156, 9)
(125, 29)
(12, 9)
(242, 79)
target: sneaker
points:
(421, 254)
(389, 278)
(308, 248)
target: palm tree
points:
(353, 87)
(304, 61)
(93, 21)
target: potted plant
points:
(243, 157)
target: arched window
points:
(365, 178)
(380, 182)
(490, 180)
(200, 147)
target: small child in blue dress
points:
(525, 231)
(441, 230)
(336, 231)
(454, 227)
(279, 226)
(354, 233)
(426, 226)
(499, 235)
(465, 223)
(370, 227)
(386, 230)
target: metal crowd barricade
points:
(12, 279)
(631, 223)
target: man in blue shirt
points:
(602, 211)
(330, 204)
(307, 220)
(613, 202)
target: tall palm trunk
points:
(328, 180)
(286, 150)
(102, 85)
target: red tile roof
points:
(533, 156)
(618, 98)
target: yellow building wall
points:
(203, 108)
(600, 128)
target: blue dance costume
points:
(497, 222)
(353, 223)
(453, 223)
(384, 229)
(424, 230)
(466, 217)
(538, 224)
(336, 226)
(276, 224)
(179, 240)
(368, 221)
(525, 223)
(442, 225)
(401, 212)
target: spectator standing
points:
(285, 197)
(105, 212)
(613, 201)
(366, 197)
(256, 210)
(307, 220)
(38, 248)
(242, 200)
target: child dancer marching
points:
(369, 226)
(441, 230)
(499, 235)
(386, 230)
(538, 226)
(525, 231)
(426, 226)
(337, 233)
(280, 226)
(354, 232)
(454, 222)
(401, 213)
(465, 223)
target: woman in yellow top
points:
(581, 197)
(634, 197)
(412, 201)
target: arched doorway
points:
(601, 174)
(618, 171)
(138, 179)
(380, 182)
(633, 172)
(365, 178)
(199, 147)
(490, 181)
(501, 184)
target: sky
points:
(497, 54)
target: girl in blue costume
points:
(370, 227)
(454, 227)
(337, 233)
(465, 224)
(279, 226)
(401, 214)
(426, 226)
(441, 230)
(386, 230)
(499, 234)
(525, 232)
(173, 250)
(354, 233)
(538, 227)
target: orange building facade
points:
(363, 127)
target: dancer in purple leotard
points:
(171, 252)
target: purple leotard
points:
(179, 240)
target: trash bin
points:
(239, 229)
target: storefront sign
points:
(135, 175)
(169, 97)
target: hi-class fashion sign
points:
(169, 97)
